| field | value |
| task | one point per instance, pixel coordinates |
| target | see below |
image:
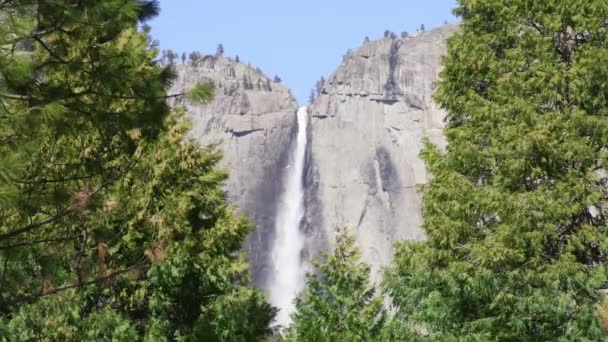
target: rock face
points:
(367, 129)
(365, 133)
(252, 120)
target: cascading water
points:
(288, 271)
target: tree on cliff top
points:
(515, 214)
(339, 303)
(319, 86)
(195, 57)
(112, 226)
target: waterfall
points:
(288, 271)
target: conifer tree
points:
(339, 303)
(195, 57)
(311, 97)
(319, 86)
(112, 226)
(515, 214)
(171, 56)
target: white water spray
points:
(288, 272)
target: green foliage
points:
(112, 225)
(201, 93)
(339, 304)
(515, 213)
(64, 321)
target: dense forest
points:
(115, 226)
(111, 227)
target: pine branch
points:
(34, 226)
(127, 97)
(57, 180)
(15, 97)
(66, 212)
(31, 243)
(40, 294)
(48, 49)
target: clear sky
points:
(299, 41)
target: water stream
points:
(288, 270)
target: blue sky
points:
(299, 41)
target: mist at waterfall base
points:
(288, 271)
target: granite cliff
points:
(368, 126)
(365, 133)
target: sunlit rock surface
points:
(367, 130)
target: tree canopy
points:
(515, 212)
(339, 303)
(112, 224)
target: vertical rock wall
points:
(366, 133)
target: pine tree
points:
(112, 226)
(319, 86)
(311, 97)
(339, 303)
(194, 57)
(171, 56)
(515, 212)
